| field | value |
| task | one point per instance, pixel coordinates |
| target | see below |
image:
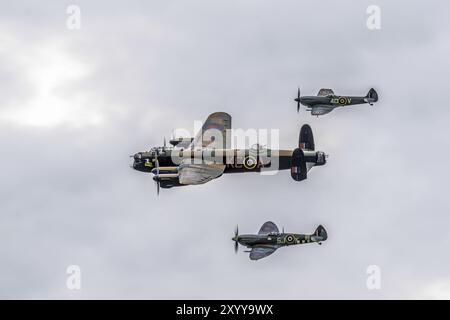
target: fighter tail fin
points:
(372, 96)
(320, 233)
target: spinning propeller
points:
(156, 178)
(236, 243)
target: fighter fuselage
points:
(333, 101)
(279, 239)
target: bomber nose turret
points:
(137, 160)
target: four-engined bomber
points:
(208, 156)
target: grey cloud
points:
(69, 197)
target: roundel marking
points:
(250, 162)
(290, 238)
(342, 100)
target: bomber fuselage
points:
(235, 160)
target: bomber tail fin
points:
(306, 138)
(299, 171)
(372, 96)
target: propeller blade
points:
(157, 165)
(157, 174)
(157, 186)
(236, 243)
(298, 100)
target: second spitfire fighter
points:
(326, 101)
(208, 156)
(270, 239)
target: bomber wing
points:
(189, 173)
(214, 132)
(268, 227)
(259, 252)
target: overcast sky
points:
(77, 103)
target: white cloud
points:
(50, 70)
(439, 290)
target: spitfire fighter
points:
(326, 101)
(270, 239)
(206, 157)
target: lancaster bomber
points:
(192, 161)
(270, 239)
(326, 101)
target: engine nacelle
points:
(167, 180)
(165, 170)
(298, 165)
(184, 141)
